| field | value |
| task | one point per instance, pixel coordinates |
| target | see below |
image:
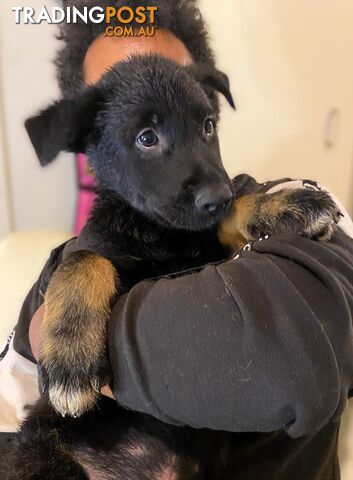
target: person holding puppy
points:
(266, 348)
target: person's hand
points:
(35, 336)
(35, 330)
(106, 391)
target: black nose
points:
(213, 199)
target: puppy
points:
(165, 203)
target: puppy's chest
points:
(140, 249)
(135, 261)
(132, 269)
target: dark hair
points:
(181, 17)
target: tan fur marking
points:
(233, 240)
(89, 285)
(232, 232)
(247, 210)
(76, 310)
(96, 277)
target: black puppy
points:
(165, 203)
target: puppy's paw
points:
(73, 390)
(314, 213)
(308, 212)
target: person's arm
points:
(260, 343)
(257, 344)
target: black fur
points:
(145, 210)
(145, 213)
(147, 92)
(110, 442)
(71, 135)
(114, 443)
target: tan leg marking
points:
(77, 307)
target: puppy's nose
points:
(213, 199)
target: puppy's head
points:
(149, 128)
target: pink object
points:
(86, 194)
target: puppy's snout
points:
(213, 200)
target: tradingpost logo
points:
(143, 18)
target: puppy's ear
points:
(210, 77)
(65, 126)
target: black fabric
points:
(7, 346)
(6, 440)
(33, 301)
(261, 345)
(279, 457)
(6, 444)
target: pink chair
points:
(87, 192)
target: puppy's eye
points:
(147, 138)
(209, 127)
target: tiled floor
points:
(26, 252)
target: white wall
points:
(42, 198)
(5, 208)
(290, 63)
(5, 220)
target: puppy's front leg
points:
(308, 212)
(73, 362)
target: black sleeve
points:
(35, 298)
(260, 343)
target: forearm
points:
(35, 331)
(245, 347)
(266, 347)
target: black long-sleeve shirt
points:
(262, 343)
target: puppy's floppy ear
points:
(64, 126)
(210, 77)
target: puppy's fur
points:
(160, 209)
(148, 211)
